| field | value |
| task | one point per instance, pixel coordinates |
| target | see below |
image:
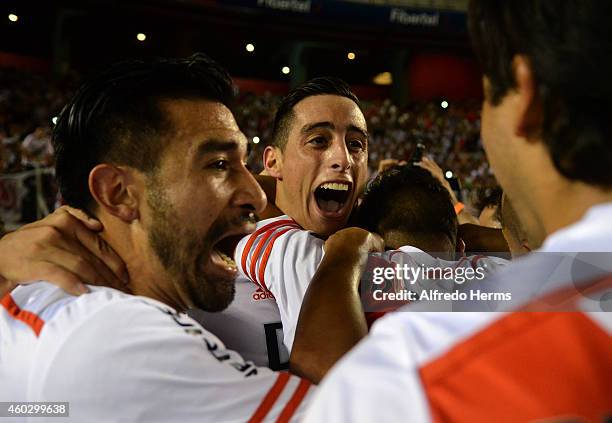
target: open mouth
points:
(331, 197)
(225, 249)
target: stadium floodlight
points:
(285, 70)
(351, 55)
(54, 120)
(448, 174)
(444, 104)
(13, 17)
(255, 140)
(250, 48)
(141, 37)
(383, 78)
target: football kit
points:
(547, 358)
(281, 257)
(118, 357)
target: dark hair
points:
(316, 86)
(409, 200)
(115, 117)
(568, 45)
(488, 197)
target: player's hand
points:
(356, 240)
(385, 164)
(64, 248)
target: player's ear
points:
(117, 190)
(529, 110)
(273, 161)
(460, 245)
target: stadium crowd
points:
(29, 102)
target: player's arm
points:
(331, 320)
(63, 248)
(482, 239)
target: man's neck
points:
(147, 276)
(566, 203)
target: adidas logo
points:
(260, 294)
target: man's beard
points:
(184, 254)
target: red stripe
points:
(294, 402)
(253, 237)
(475, 259)
(461, 260)
(27, 317)
(255, 256)
(266, 256)
(270, 398)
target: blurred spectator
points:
(36, 149)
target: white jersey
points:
(250, 325)
(282, 258)
(117, 357)
(503, 366)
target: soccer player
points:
(145, 147)
(546, 131)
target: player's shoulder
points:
(274, 240)
(420, 336)
(46, 300)
(62, 315)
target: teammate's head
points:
(546, 114)
(406, 205)
(319, 154)
(152, 148)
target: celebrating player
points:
(546, 131)
(145, 147)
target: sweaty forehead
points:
(340, 111)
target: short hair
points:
(115, 117)
(410, 200)
(317, 86)
(568, 45)
(488, 197)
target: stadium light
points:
(255, 140)
(250, 48)
(141, 37)
(54, 120)
(285, 70)
(384, 78)
(351, 55)
(444, 104)
(13, 17)
(448, 174)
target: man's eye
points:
(220, 165)
(356, 145)
(318, 141)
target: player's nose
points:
(339, 156)
(249, 193)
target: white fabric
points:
(379, 379)
(251, 325)
(293, 260)
(295, 256)
(117, 357)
